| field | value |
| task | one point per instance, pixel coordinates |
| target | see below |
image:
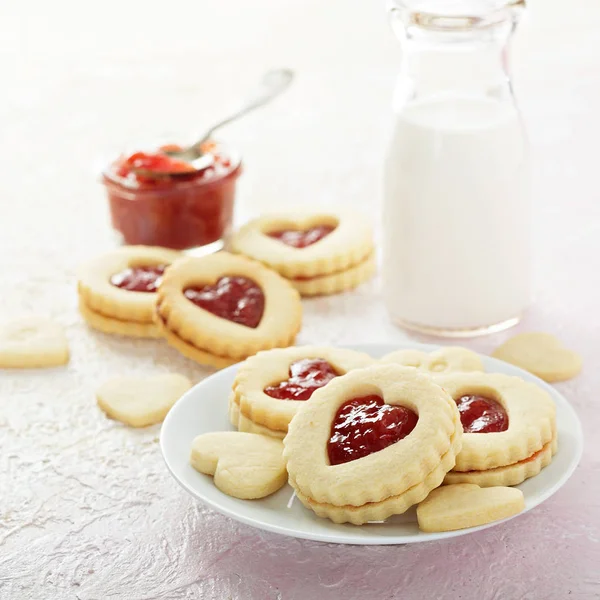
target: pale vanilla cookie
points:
(244, 465)
(509, 428)
(242, 423)
(32, 342)
(318, 253)
(117, 291)
(444, 360)
(222, 308)
(141, 401)
(270, 387)
(371, 443)
(541, 354)
(463, 505)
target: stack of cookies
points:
(217, 309)
(220, 309)
(365, 439)
(370, 420)
(318, 253)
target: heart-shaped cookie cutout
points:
(365, 425)
(139, 279)
(541, 354)
(243, 465)
(236, 299)
(306, 376)
(32, 342)
(141, 401)
(301, 238)
(463, 505)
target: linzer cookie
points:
(372, 443)
(270, 387)
(220, 309)
(509, 428)
(444, 360)
(117, 291)
(319, 253)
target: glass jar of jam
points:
(190, 211)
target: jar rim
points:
(110, 178)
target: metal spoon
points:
(272, 84)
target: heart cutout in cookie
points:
(463, 505)
(32, 342)
(365, 425)
(479, 414)
(301, 238)
(139, 279)
(306, 376)
(234, 298)
(541, 354)
(141, 401)
(243, 465)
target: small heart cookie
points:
(32, 342)
(244, 465)
(141, 401)
(541, 354)
(465, 505)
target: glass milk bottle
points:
(456, 227)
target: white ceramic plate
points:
(204, 408)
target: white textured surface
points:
(87, 508)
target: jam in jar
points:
(187, 211)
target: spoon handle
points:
(272, 84)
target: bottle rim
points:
(456, 15)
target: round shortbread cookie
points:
(531, 419)
(198, 332)
(369, 479)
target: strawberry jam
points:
(139, 279)
(298, 238)
(237, 299)
(479, 414)
(306, 376)
(189, 209)
(365, 425)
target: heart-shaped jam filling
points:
(306, 376)
(479, 414)
(235, 298)
(365, 425)
(139, 279)
(301, 238)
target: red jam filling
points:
(236, 299)
(139, 279)
(306, 376)
(156, 162)
(365, 425)
(190, 210)
(479, 414)
(302, 238)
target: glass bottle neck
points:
(466, 62)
